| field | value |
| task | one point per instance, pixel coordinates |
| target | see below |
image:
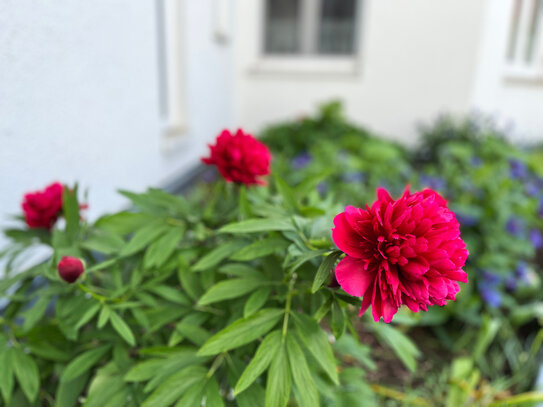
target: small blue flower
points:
(515, 227)
(490, 279)
(436, 183)
(491, 296)
(536, 238)
(532, 189)
(465, 219)
(301, 161)
(354, 177)
(521, 271)
(540, 208)
(518, 168)
(511, 283)
(322, 188)
(476, 161)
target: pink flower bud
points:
(70, 268)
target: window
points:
(310, 27)
(524, 54)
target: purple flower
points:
(476, 161)
(322, 188)
(491, 296)
(465, 219)
(490, 279)
(532, 189)
(536, 238)
(515, 227)
(354, 177)
(302, 160)
(511, 283)
(519, 170)
(521, 271)
(436, 183)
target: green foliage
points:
(228, 295)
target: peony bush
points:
(251, 294)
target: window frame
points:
(517, 69)
(303, 63)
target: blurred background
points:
(123, 94)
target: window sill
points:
(303, 66)
(522, 74)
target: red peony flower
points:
(407, 251)
(70, 268)
(240, 158)
(42, 208)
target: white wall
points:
(509, 100)
(417, 59)
(79, 97)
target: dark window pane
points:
(337, 27)
(282, 27)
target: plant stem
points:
(288, 305)
(216, 364)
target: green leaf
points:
(34, 314)
(228, 289)
(316, 342)
(189, 280)
(70, 207)
(338, 320)
(6, 372)
(194, 395)
(264, 355)
(350, 347)
(123, 223)
(255, 395)
(260, 248)
(174, 387)
(256, 301)
(286, 192)
(105, 313)
(191, 329)
(307, 391)
(305, 257)
(83, 363)
(103, 241)
(258, 225)
(68, 392)
(159, 251)
(47, 351)
(217, 255)
(88, 315)
(26, 372)
(122, 328)
(170, 294)
(279, 380)
(144, 237)
(144, 370)
(242, 331)
(240, 270)
(324, 270)
(213, 394)
(402, 346)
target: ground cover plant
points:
(241, 294)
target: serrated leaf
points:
(26, 372)
(258, 225)
(256, 301)
(228, 289)
(242, 331)
(307, 391)
(122, 328)
(260, 248)
(324, 270)
(83, 363)
(264, 355)
(279, 380)
(217, 255)
(161, 249)
(316, 342)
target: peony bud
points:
(70, 268)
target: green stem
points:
(93, 294)
(216, 364)
(288, 305)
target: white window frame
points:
(307, 64)
(518, 68)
